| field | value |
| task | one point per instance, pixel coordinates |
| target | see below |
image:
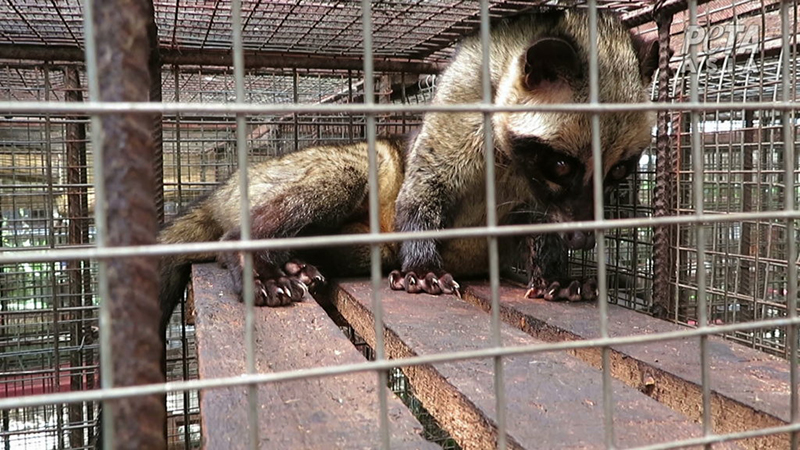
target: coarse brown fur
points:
(440, 182)
(319, 190)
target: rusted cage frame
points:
(496, 351)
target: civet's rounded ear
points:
(550, 59)
(647, 53)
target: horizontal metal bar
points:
(489, 352)
(224, 58)
(95, 108)
(46, 429)
(23, 255)
(253, 60)
(33, 312)
(644, 15)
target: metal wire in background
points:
(790, 163)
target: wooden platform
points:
(750, 389)
(554, 400)
(316, 413)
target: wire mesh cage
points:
(49, 326)
(311, 53)
(744, 153)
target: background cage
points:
(310, 53)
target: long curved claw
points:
(397, 281)
(571, 290)
(431, 283)
(305, 274)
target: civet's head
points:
(553, 150)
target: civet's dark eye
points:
(561, 168)
(618, 172)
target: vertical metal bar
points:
(715, 155)
(120, 29)
(157, 136)
(597, 188)
(5, 416)
(187, 439)
(491, 222)
(315, 138)
(154, 67)
(791, 234)
(107, 380)
(697, 187)
(374, 222)
(662, 197)
(295, 99)
(6, 421)
(178, 180)
(760, 165)
(77, 233)
(248, 288)
(403, 100)
(351, 122)
(745, 286)
(730, 63)
(51, 231)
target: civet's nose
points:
(579, 240)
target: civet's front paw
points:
(431, 283)
(565, 289)
(277, 287)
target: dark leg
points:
(321, 202)
(423, 204)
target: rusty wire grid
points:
(744, 154)
(41, 202)
(403, 29)
(48, 332)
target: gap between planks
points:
(316, 413)
(750, 389)
(553, 399)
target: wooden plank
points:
(328, 412)
(751, 389)
(553, 399)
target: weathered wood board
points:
(314, 413)
(750, 389)
(553, 399)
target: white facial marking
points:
(530, 124)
